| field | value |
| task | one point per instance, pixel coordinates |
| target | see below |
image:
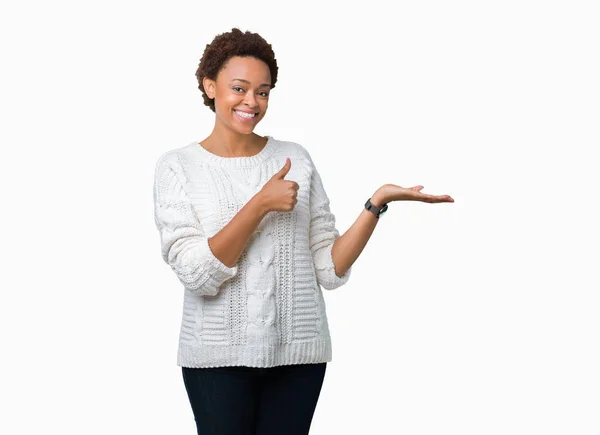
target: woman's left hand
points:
(391, 192)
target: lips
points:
(245, 118)
(244, 111)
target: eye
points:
(264, 93)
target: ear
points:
(209, 87)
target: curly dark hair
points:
(230, 44)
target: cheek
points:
(235, 99)
(231, 100)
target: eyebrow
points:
(246, 81)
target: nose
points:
(250, 100)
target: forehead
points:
(247, 68)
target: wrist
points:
(259, 205)
(378, 199)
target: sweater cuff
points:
(220, 272)
(326, 270)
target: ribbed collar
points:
(237, 162)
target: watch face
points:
(383, 210)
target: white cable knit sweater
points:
(268, 309)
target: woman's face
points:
(243, 85)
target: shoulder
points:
(293, 150)
(173, 159)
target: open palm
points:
(392, 192)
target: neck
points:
(228, 143)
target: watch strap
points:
(377, 211)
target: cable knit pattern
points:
(268, 309)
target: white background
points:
(477, 317)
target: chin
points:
(246, 131)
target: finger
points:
(286, 168)
(443, 198)
(428, 198)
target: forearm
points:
(228, 244)
(348, 247)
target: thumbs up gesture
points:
(278, 194)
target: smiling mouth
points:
(244, 116)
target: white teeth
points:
(245, 115)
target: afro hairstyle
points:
(227, 45)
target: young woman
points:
(245, 224)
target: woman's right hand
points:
(278, 194)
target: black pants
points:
(254, 401)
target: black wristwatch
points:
(377, 211)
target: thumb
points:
(286, 168)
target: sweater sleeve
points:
(322, 235)
(184, 245)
